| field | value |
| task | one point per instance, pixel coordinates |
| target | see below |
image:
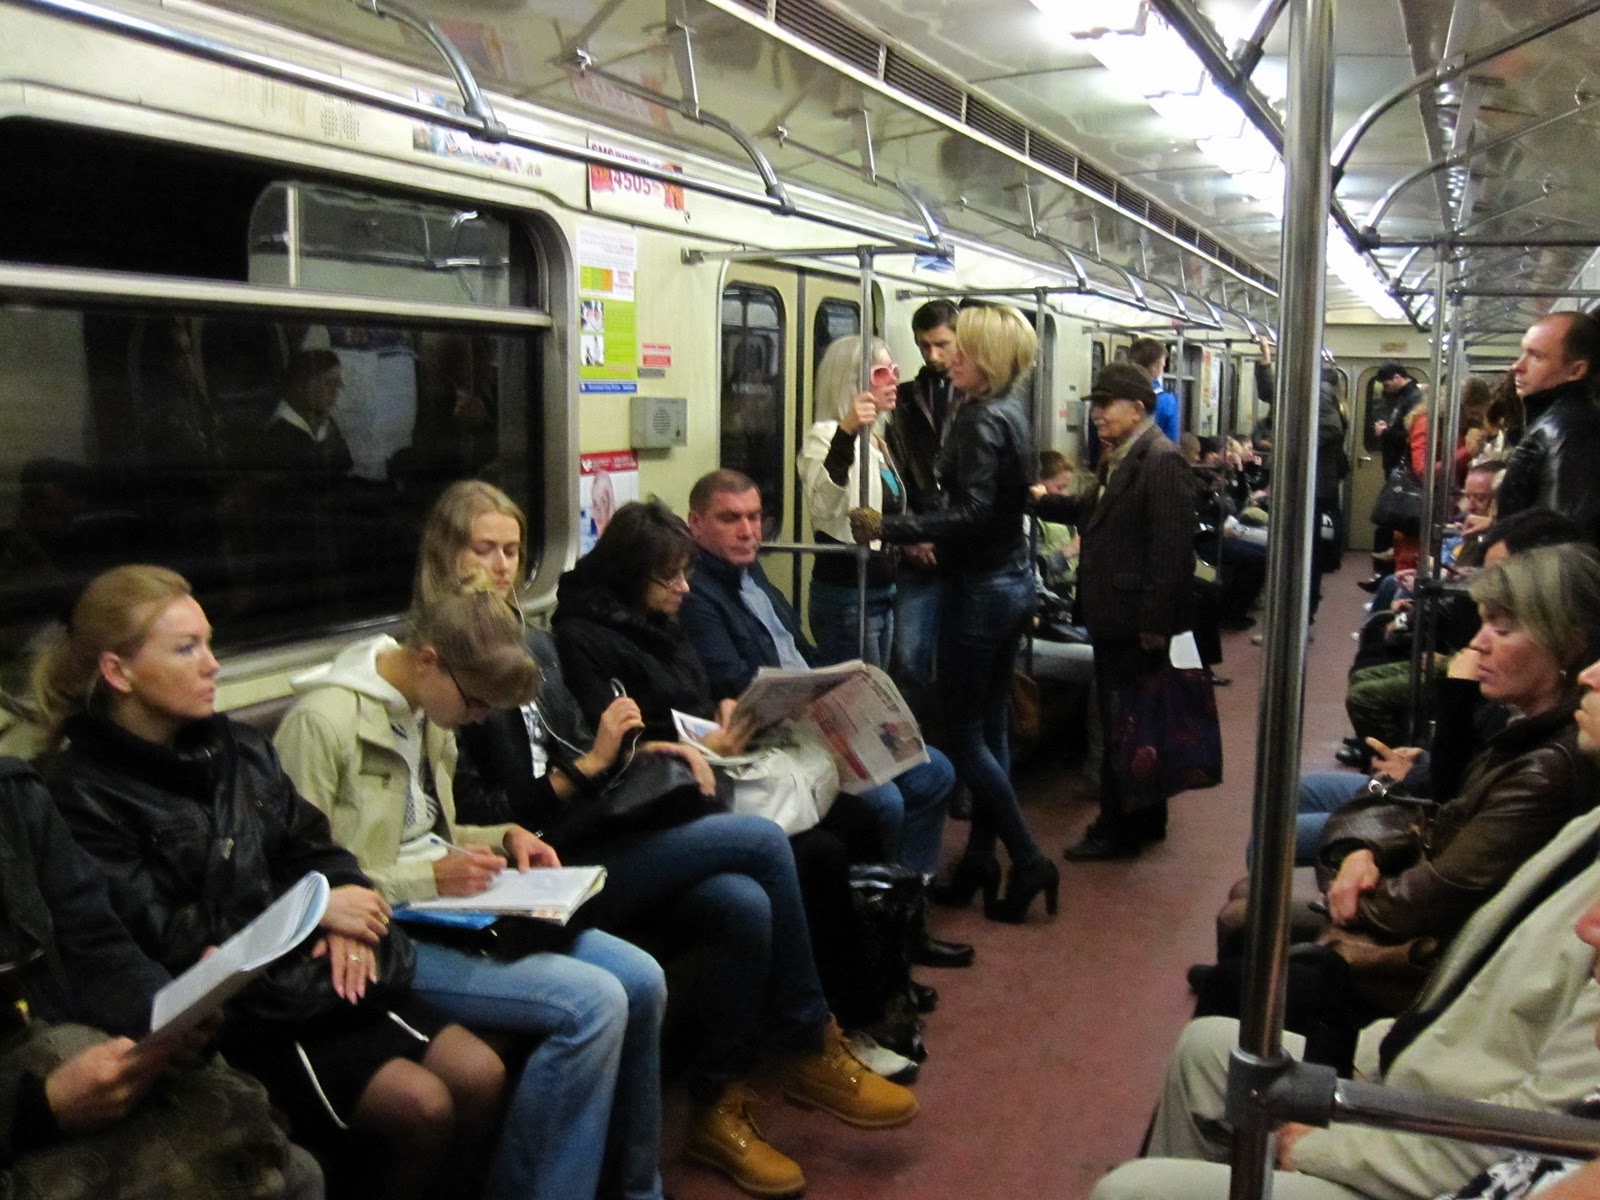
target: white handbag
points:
(792, 780)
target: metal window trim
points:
(72, 284)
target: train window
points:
(752, 392)
(349, 241)
(835, 319)
(282, 459)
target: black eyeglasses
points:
(472, 703)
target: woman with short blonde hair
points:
(984, 471)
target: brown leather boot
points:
(726, 1136)
(835, 1081)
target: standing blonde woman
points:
(984, 472)
(830, 466)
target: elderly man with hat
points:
(1137, 527)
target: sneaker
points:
(881, 1060)
(725, 1136)
(835, 1081)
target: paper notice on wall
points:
(606, 481)
(608, 328)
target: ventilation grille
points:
(830, 32)
(823, 27)
(916, 81)
(1006, 130)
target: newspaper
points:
(545, 893)
(217, 978)
(853, 709)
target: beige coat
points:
(360, 782)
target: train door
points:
(775, 324)
(1369, 407)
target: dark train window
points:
(752, 392)
(835, 319)
(283, 461)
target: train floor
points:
(1046, 1056)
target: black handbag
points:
(298, 989)
(653, 791)
(1399, 504)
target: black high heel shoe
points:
(1026, 882)
(966, 881)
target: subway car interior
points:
(591, 250)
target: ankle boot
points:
(725, 1136)
(835, 1081)
(1027, 881)
(965, 881)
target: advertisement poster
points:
(608, 353)
(613, 189)
(606, 481)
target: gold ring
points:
(353, 956)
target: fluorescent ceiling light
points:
(1086, 19)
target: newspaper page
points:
(868, 728)
(776, 695)
(545, 893)
(216, 979)
(853, 709)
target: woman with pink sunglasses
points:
(830, 466)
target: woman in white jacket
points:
(830, 466)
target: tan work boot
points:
(835, 1081)
(726, 1136)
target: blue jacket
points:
(731, 642)
(1167, 414)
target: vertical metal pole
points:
(1303, 270)
(291, 232)
(1420, 658)
(864, 450)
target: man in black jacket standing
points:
(1553, 465)
(924, 412)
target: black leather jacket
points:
(1554, 464)
(984, 470)
(195, 841)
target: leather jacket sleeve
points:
(973, 492)
(1519, 489)
(1474, 844)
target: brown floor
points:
(1046, 1056)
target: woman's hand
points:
(466, 872)
(353, 965)
(1037, 491)
(356, 912)
(527, 849)
(1464, 665)
(99, 1086)
(866, 524)
(1392, 764)
(621, 717)
(1357, 876)
(696, 761)
(731, 736)
(863, 411)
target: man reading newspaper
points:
(739, 623)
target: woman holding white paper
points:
(370, 743)
(198, 830)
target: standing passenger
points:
(984, 470)
(924, 412)
(1137, 531)
(830, 465)
(1150, 356)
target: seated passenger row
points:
(197, 828)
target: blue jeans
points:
(982, 627)
(728, 883)
(834, 612)
(918, 602)
(909, 810)
(1321, 794)
(593, 1077)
